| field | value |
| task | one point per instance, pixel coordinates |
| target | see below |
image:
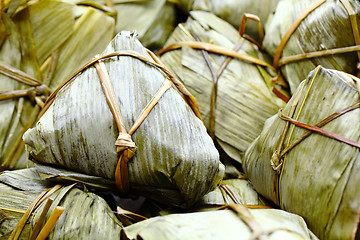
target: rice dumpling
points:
(153, 20)
(236, 223)
(307, 157)
(232, 10)
(306, 33)
(241, 82)
(166, 154)
(231, 191)
(34, 59)
(80, 219)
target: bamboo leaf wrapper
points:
(225, 224)
(36, 45)
(318, 177)
(81, 218)
(328, 26)
(232, 10)
(244, 99)
(175, 161)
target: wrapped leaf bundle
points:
(231, 191)
(84, 211)
(153, 20)
(35, 58)
(231, 68)
(232, 10)
(175, 161)
(307, 158)
(236, 223)
(304, 34)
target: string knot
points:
(124, 142)
(125, 147)
(41, 91)
(31, 93)
(275, 162)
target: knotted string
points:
(278, 61)
(125, 147)
(279, 156)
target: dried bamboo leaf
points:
(329, 21)
(39, 222)
(103, 6)
(29, 60)
(171, 143)
(19, 188)
(29, 21)
(36, 33)
(10, 110)
(161, 27)
(92, 32)
(153, 20)
(22, 111)
(244, 98)
(240, 192)
(319, 175)
(224, 224)
(144, 14)
(50, 28)
(58, 174)
(233, 10)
